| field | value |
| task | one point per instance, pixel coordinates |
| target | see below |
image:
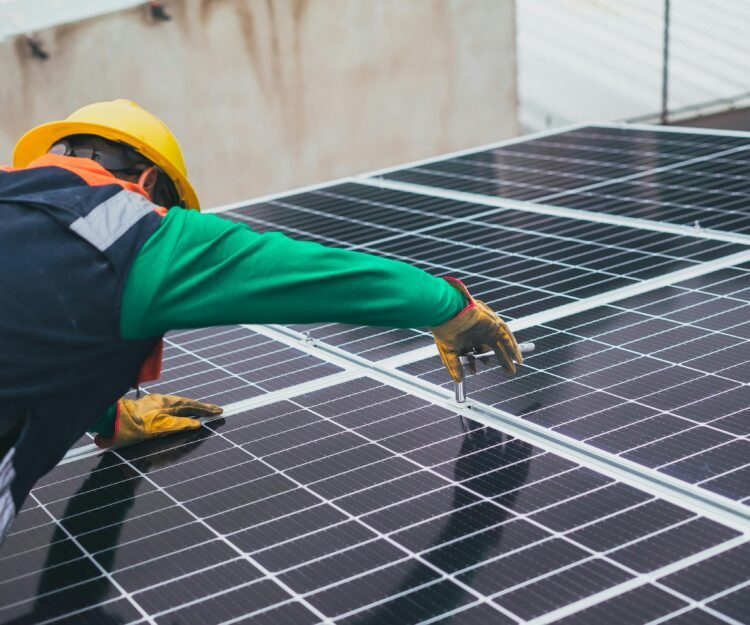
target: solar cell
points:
(323, 507)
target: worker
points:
(104, 250)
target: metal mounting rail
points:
(700, 501)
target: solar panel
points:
(677, 177)
(608, 481)
(357, 502)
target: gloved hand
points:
(475, 329)
(155, 415)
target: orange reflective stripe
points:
(87, 170)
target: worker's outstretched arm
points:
(200, 270)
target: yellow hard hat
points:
(118, 120)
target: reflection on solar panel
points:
(668, 176)
(660, 379)
(607, 482)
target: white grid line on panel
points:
(651, 577)
(254, 613)
(86, 609)
(104, 572)
(729, 471)
(450, 613)
(636, 138)
(742, 134)
(219, 593)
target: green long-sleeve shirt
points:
(200, 270)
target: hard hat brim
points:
(37, 141)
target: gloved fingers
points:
(503, 357)
(184, 406)
(158, 423)
(471, 364)
(452, 362)
(509, 341)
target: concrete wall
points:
(268, 95)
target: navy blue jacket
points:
(67, 242)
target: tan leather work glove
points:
(155, 415)
(476, 329)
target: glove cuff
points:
(461, 288)
(105, 443)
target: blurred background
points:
(269, 95)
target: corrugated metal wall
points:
(602, 59)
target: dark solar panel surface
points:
(711, 194)
(659, 378)
(702, 178)
(358, 503)
(519, 262)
